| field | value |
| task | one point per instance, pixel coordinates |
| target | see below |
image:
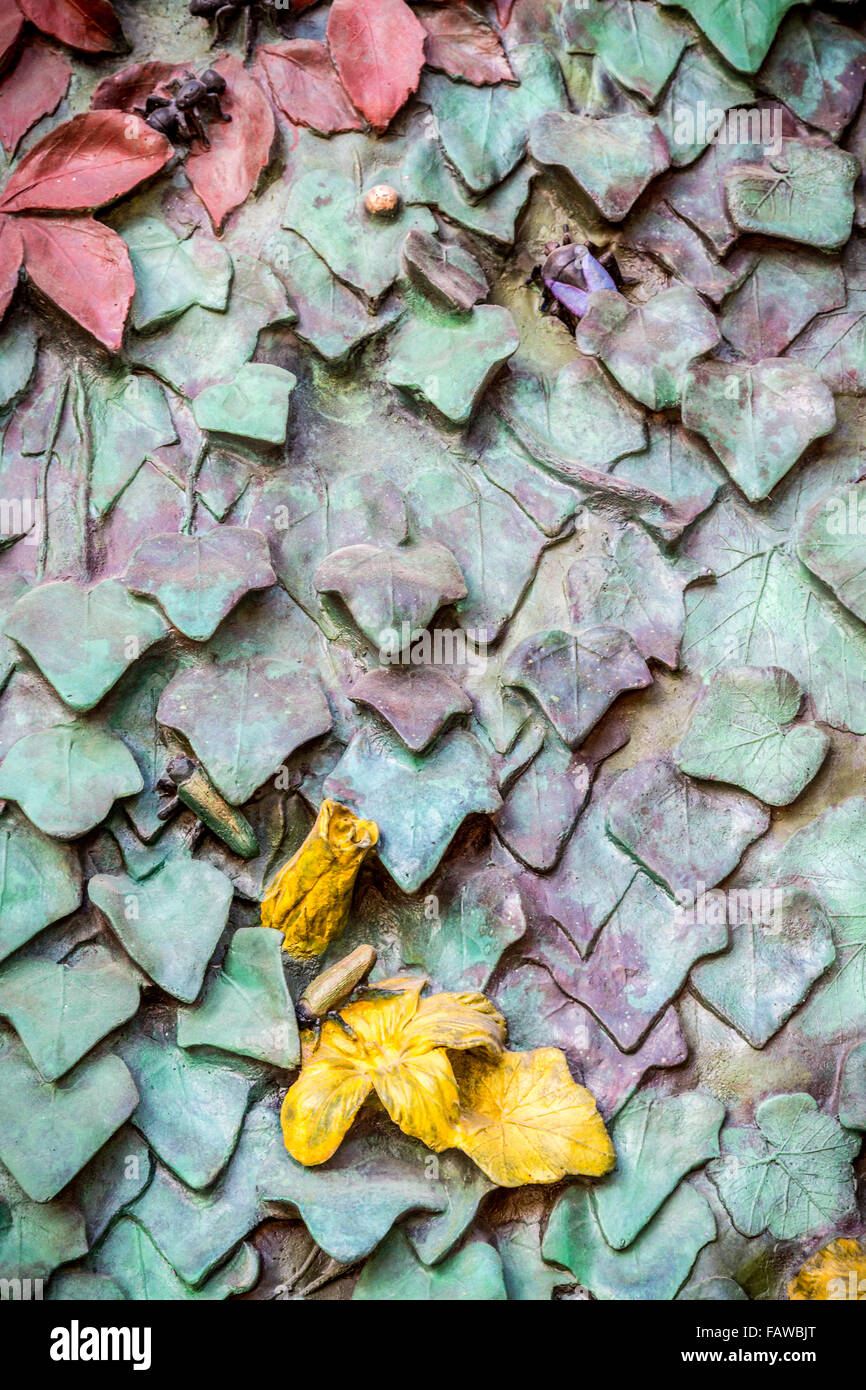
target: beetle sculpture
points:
(342, 983)
(186, 783)
(180, 117)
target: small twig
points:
(191, 481)
(328, 1277)
(42, 481)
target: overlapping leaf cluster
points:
(275, 454)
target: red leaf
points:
(503, 10)
(378, 47)
(11, 24)
(462, 45)
(306, 87)
(124, 90)
(35, 87)
(85, 163)
(226, 174)
(11, 256)
(88, 25)
(84, 268)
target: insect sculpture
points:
(181, 116)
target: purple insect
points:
(569, 275)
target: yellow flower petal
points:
(379, 1023)
(457, 1021)
(523, 1119)
(320, 1107)
(420, 1095)
(835, 1273)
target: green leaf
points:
(190, 1107)
(326, 208)
(776, 956)
(49, 1130)
(244, 718)
(112, 629)
(789, 1173)
(475, 1272)
(579, 417)
(829, 856)
(852, 1094)
(197, 580)
(18, 347)
(129, 1257)
(392, 592)
(658, 1140)
(129, 420)
(540, 809)
(172, 273)
(830, 544)
(623, 580)
(426, 178)
(246, 1008)
(654, 1267)
(111, 1180)
(204, 345)
(37, 1237)
(638, 45)
(253, 405)
(527, 1277)
(171, 922)
(66, 779)
(742, 30)
(806, 194)
(331, 317)
(462, 504)
(61, 1011)
(683, 833)
(460, 1187)
(483, 130)
(781, 292)
(699, 78)
(647, 347)
(418, 803)
(738, 735)
(758, 419)
(40, 881)
(834, 344)
(611, 159)
(575, 678)
(447, 359)
(817, 67)
(765, 611)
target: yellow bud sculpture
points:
(310, 897)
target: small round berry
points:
(382, 200)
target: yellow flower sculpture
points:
(835, 1273)
(519, 1116)
(309, 900)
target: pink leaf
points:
(225, 175)
(503, 11)
(11, 256)
(305, 86)
(11, 24)
(89, 25)
(378, 47)
(85, 163)
(125, 90)
(33, 88)
(461, 44)
(84, 268)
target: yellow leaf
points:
(320, 1107)
(309, 900)
(381, 1046)
(457, 1021)
(835, 1273)
(523, 1119)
